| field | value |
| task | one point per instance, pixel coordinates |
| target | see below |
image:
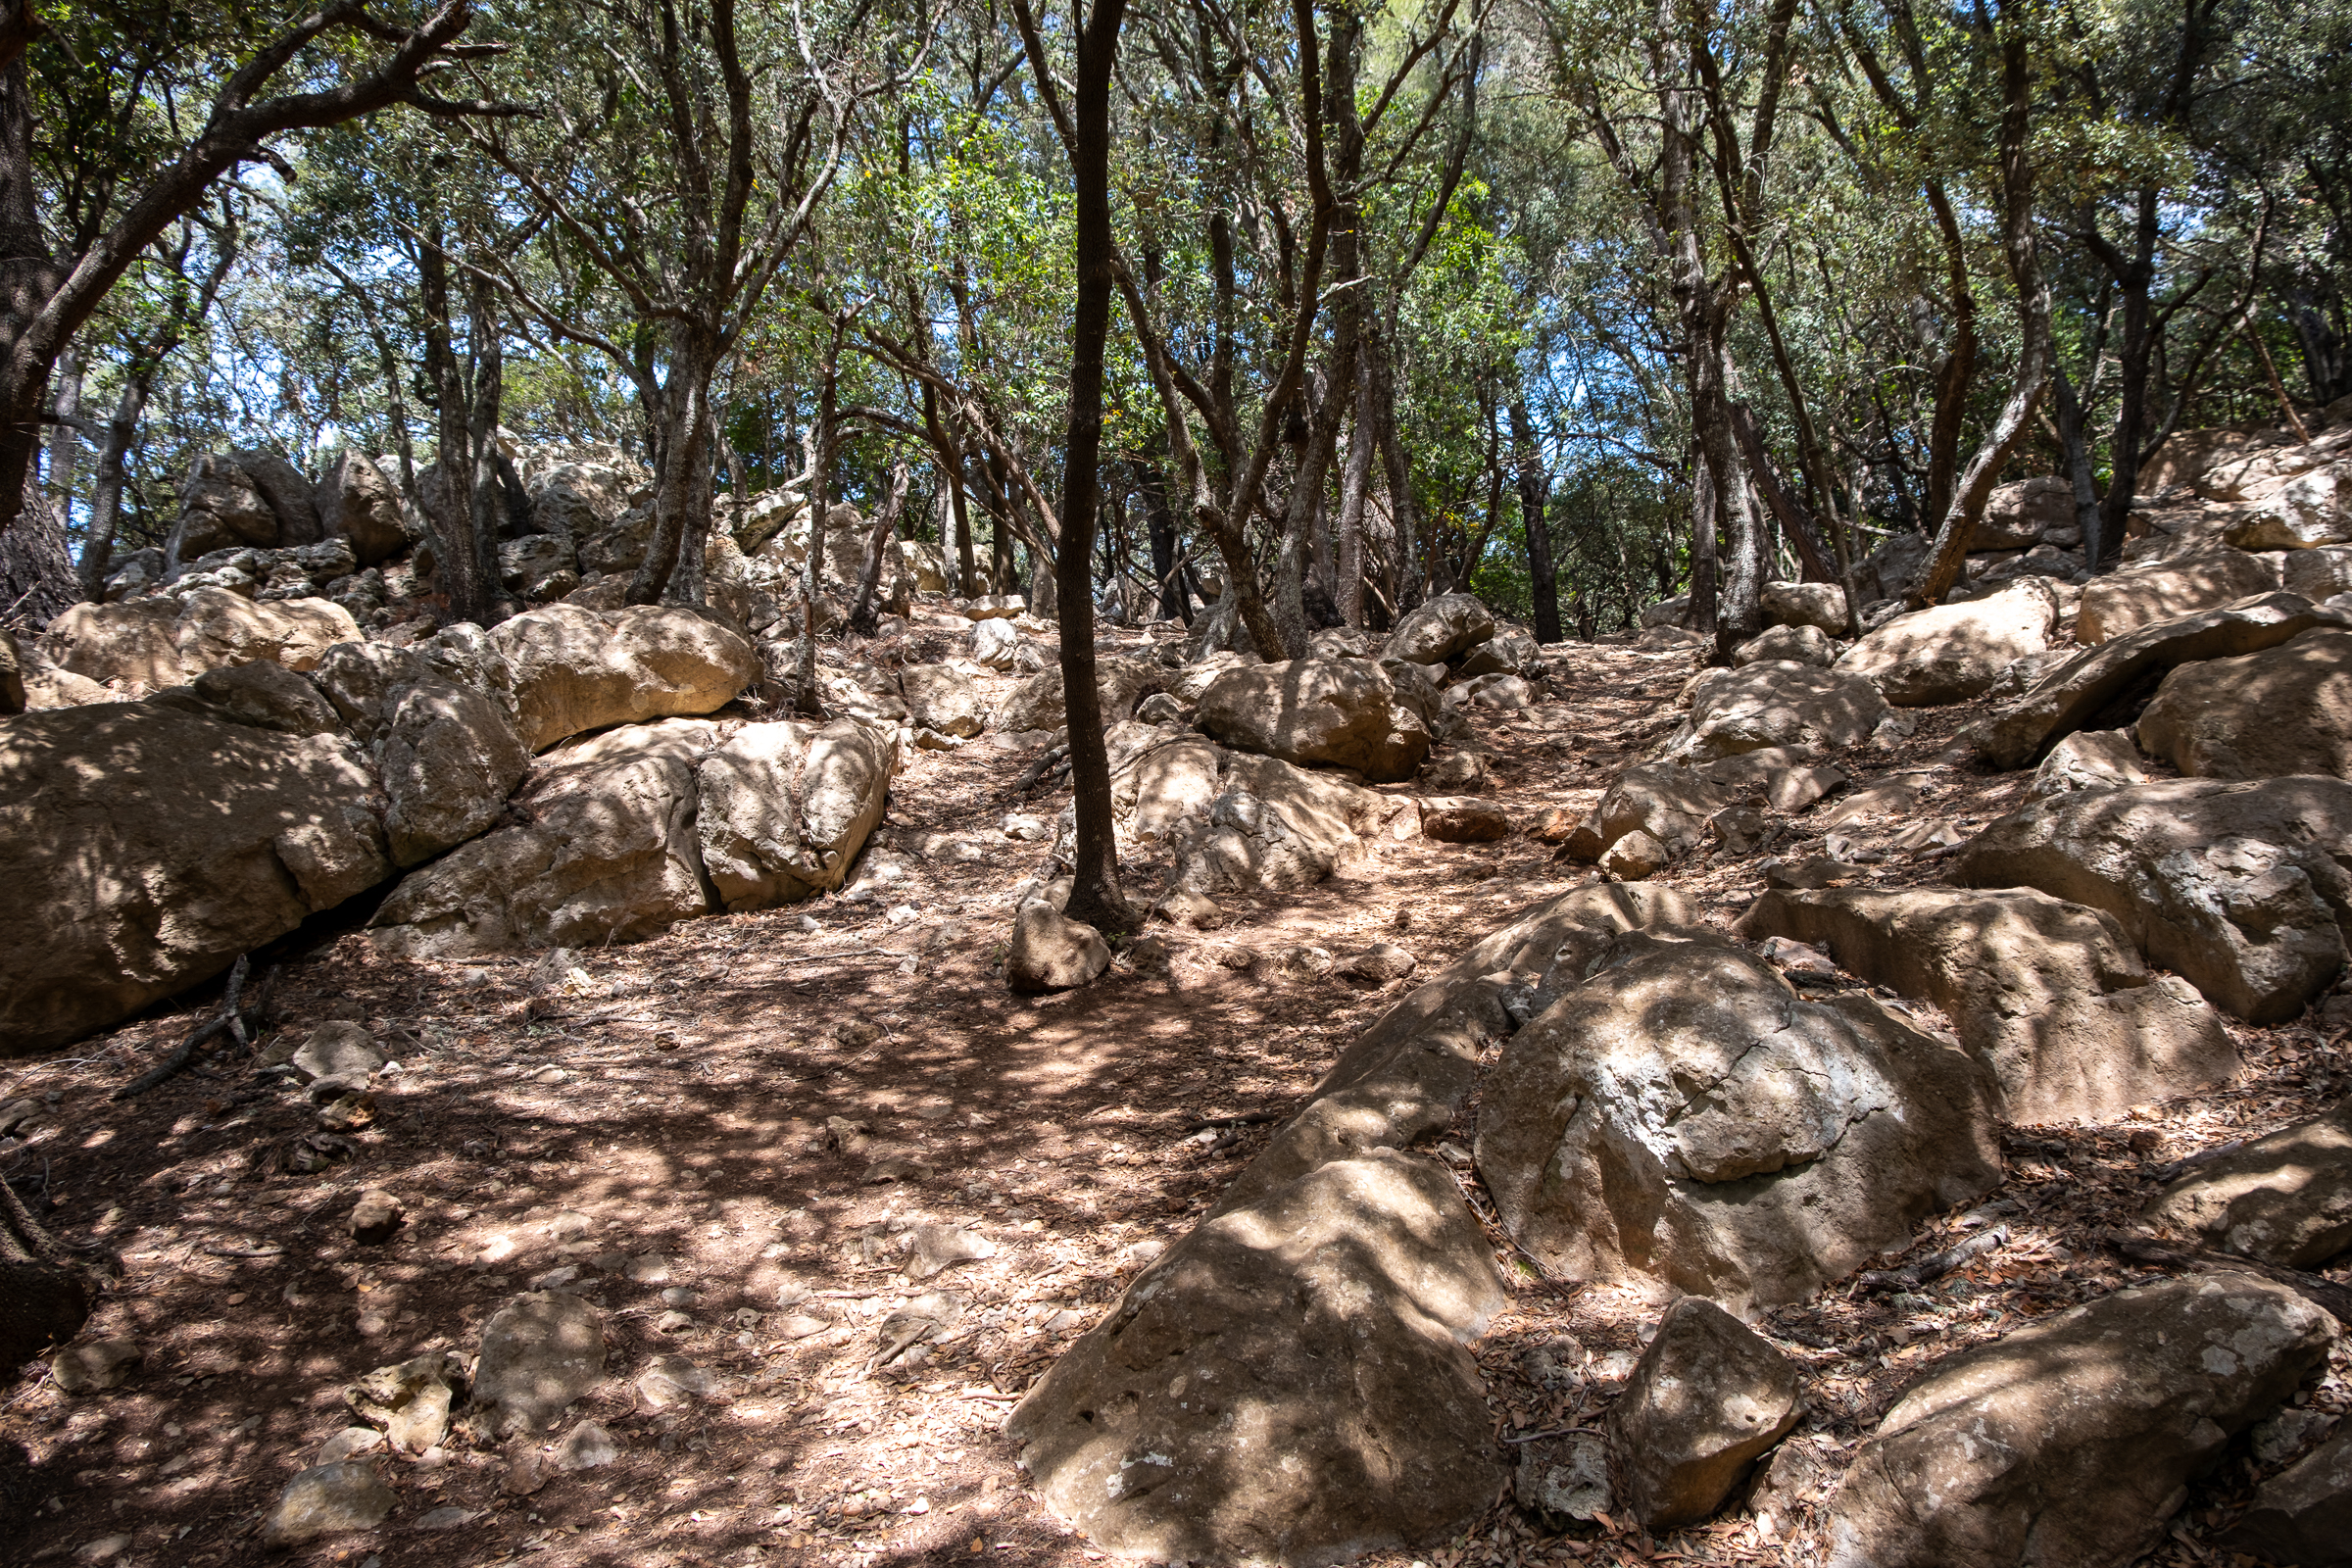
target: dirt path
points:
(725, 1138)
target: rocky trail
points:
(1656, 1125)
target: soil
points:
(752, 1114)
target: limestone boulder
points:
(2123, 602)
(2284, 710)
(2307, 512)
(1683, 1117)
(264, 695)
(1037, 701)
(606, 851)
(2079, 692)
(1290, 1383)
(2017, 514)
(1275, 825)
(1818, 605)
(2050, 994)
(942, 698)
(329, 1499)
(2087, 760)
(148, 644)
(1951, 652)
(1342, 712)
(221, 507)
(1672, 804)
(578, 670)
(2074, 1441)
(538, 566)
(2244, 889)
(145, 849)
(1463, 820)
(994, 641)
(1707, 1398)
(357, 501)
(1776, 703)
(782, 809)
(1798, 645)
(2303, 1514)
(2286, 1198)
(449, 758)
(1051, 952)
(2318, 574)
(1439, 630)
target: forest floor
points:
(750, 1112)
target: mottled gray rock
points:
(540, 1352)
(329, 1499)
(2284, 710)
(2284, 1198)
(2302, 1515)
(1344, 713)
(1708, 1396)
(1052, 954)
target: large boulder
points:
(1955, 652)
(358, 503)
(221, 507)
(1798, 645)
(579, 669)
(2303, 1514)
(148, 644)
(1037, 703)
(2126, 601)
(1344, 713)
(2078, 693)
(1161, 787)
(145, 849)
(2305, 513)
(783, 808)
(1776, 703)
(2286, 1198)
(1290, 1383)
(449, 758)
(1274, 825)
(1672, 804)
(2017, 514)
(606, 851)
(1440, 630)
(2050, 994)
(942, 698)
(2244, 889)
(2286, 710)
(2087, 760)
(2074, 1439)
(1818, 605)
(538, 566)
(264, 694)
(1682, 1115)
(2318, 574)
(1707, 1398)
(291, 498)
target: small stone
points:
(586, 1447)
(349, 1444)
(1382, 962)
(1463, 820)
(672, 1379)
(681, 1296)
(1303, 962)
(376, 1217)
(1634, 858)
(941, 1246)
(329, 1499)
(1565, 1477)
(1707, 1398)
(411, 1400)
(95, 1366)
(796, 1327)
(527, 1473)
(339, 1049)
(1052, 952)
(539, 1354)
(672, 1323)
(648, 1268)
(1196, 909)
(446, 1518)
(106, 1549)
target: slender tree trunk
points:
(1096, 898)
(64, 437)
(489, 397)
(1160, 522)
(456, 556)
(820, 483)
(1535, 485)
(1356, 484)
(105, 483)
(2077, 451)
(682, 472)
(862, 617)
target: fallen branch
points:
(2316, 1289)
(229, 1021)
(1928, 1270)
(1247, 1118)
(2188, 1162)
(1041, 767)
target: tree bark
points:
(862, 617)
(1535, 488)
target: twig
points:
(229, 1021)
(1040, 768)
(846, 952)
(1250, 1118)
(1883, 1282)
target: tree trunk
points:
(1096, 898)
(1160, 522)
(64, 437)
(682, 475)
(482, 491)
(46, 1292)
(821, 482)
(862, 617)
(1535, 485)
(106, 484)
(456, 556)
(2077, 451)
(1356, 484)
(36, 573)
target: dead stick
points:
(227, 1020)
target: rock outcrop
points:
(2286, 710)
(145, 849)
(1341, 713)
(579, 669)
(2123, 602)
(1289, 1384)
(2050, 994)
(1776, 703)
(2286, 1198)
(1682, 1116)
(147, 644)
(1440, 630)
(2077, 693)
(2073, 1441)
(2244, 889)
(1955, 652)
